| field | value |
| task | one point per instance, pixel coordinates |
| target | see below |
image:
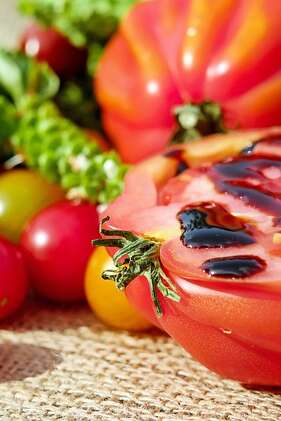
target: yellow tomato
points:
(23, 193)
(110, 304)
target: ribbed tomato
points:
(177, 52)
(202, 247)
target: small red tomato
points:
(57, 245)
(13, 279)
(46, 44)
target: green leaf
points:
(21, 76)
(82, 21)
(8, 119)
(94, 54)
(76, 101)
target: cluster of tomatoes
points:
(45, 246)
(45, 239)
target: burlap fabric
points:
(61, 364)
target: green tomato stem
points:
(137, 256)
(197, 120)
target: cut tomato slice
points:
(215, 236)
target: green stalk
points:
(136, 256)
(197, 120)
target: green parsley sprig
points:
(62, 153)
(47, 141)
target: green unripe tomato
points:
(23, 193)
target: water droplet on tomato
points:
(226, 331)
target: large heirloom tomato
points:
(201, 247)
(171, 53)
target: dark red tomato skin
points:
(13, 279)
(56, 246)
(48, 45)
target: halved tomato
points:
(204, 254)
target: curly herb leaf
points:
(8, 118)
(83, 22)
(62, 153)
(47, 141)
(22, 80)
(8, 125)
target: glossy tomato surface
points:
(57, 246)
(13, 279)
(48, 45)
(23, 193)
(173, 52)
(218, 227)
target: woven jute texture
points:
(61, 364)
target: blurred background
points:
(11, 23)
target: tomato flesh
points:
(223, 258)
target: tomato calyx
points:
(195, 120)
(136, 256)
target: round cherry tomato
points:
(216, 232)
(110, 304)
(46, 44)
(23, 193)
(57, 246)
(173, 53)
(13, 279)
